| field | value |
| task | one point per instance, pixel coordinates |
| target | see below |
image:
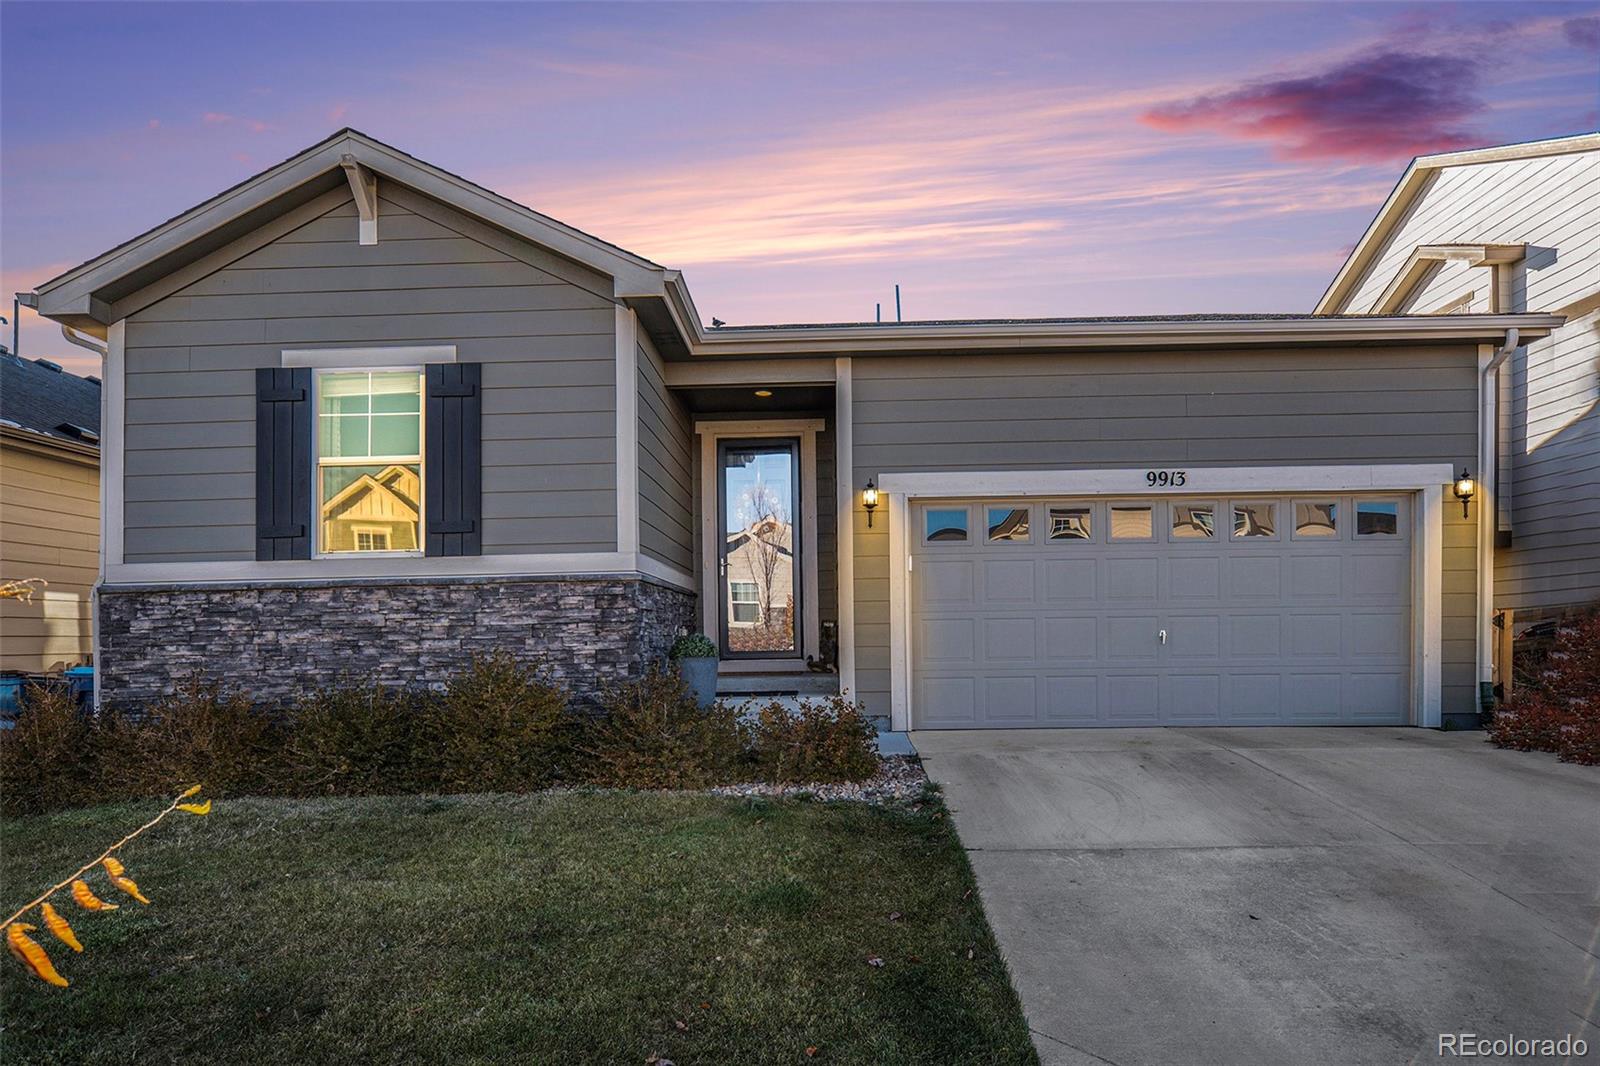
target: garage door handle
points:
(1163, 635)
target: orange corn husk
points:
(31, 954)
(113, 867)
(196, 808)
(127, 885)
(191, 790)
(58, 925)
(87, 899)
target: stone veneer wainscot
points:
(274, 642)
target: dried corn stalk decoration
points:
(21, 588)
(28, 950)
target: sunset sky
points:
(797, 160)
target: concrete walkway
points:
(1281, 895)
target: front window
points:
(369, 461)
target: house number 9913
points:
(1166, 478)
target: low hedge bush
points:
(497, 727)
(824, 740)
(1559, 709)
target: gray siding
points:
(666, 461)
(1160, 410)
(1550, 443)
(544, 329)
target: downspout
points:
(1489, 508)
(81, 341)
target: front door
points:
(759, 554)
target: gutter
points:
(1490, 362)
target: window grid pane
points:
(1008, 523)
(1255, 519)
(1071, 523)
(369, 465)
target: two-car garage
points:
(1287, 609)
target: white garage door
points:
(1252, 611)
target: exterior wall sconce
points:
(1466, 488)
(869, 500)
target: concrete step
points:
(778, 684)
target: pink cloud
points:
(1379, 107)
(216, 118)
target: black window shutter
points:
(283, 463)
(453, 472)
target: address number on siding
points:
(1166, 478)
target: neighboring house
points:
(49, 511)
(1510, 229)
(1195, 519)
(760, 566)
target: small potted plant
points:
(696, 656)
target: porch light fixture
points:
(1466, 488)
(763, 393)
(869, 500)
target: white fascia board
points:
(1199, 480)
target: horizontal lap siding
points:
(666, 460)
(1554, 559)
(49, 529)
(543, 328)
(1361, 405)
(1551, 205)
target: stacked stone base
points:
(274, 643)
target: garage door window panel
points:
(1132, 522)
(1008, 524)
(1071, 522)
(1255, 520)
(945, 525)
(1193, 521)
(1316, 519)
(1377, 518)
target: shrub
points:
(49, 760)
(197, 734)
(1560, 710)
(822, 740)
(654, 735)
(499, 728)
(358, 741)
(693, 646)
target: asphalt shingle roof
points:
(38, 395)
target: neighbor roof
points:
(38, 396)
(1408, 188)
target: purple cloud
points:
(1374, 108)
(1583, 32)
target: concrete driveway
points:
(1281, 895)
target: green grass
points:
(487, 929)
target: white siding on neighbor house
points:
(1550, 444)
(543, 328)
(1551, 204)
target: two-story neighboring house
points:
(1202, 519)
(1509, 229)
(49, 512)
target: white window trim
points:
(317, 554)
(1426, 480)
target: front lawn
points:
(562, 928)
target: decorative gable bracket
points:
(364, 185)
(1426, 256)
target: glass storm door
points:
(758, 559)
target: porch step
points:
(778, 684)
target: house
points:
(1197, 519)
(49, 511)
(1509, 229)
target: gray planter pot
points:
(701, 677)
